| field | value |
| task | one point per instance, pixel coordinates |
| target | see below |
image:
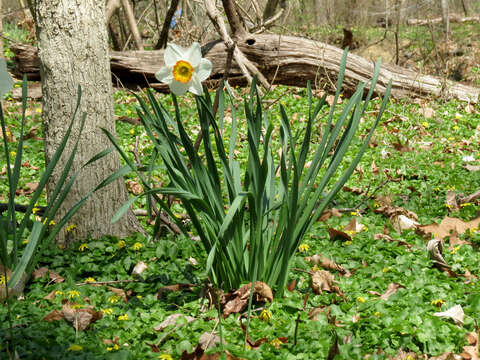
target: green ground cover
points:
(421, 150)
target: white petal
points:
(179, 88)
(194, 54)
(173, 53)
(196, 86)
(164, 75)
(203, 70)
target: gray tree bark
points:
(73, 50)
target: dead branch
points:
(456, 18)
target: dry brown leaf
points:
(402, 147)
(134, 187)
(313, 314)
(40, 272)
(354, 226)
(454, 240)
(455, 313)
(338, 235)
(139, 269)
(320, 260)
(374, 168)
(388, 238)
(402, 222)
(435, 250)
(176, 287)
(472, 168)
(80, 318)
(53, 316)
(172, 320)
(391, 289)
(470, 351)
(55, 277)
(447, 225)
(236, 301)
(427, 112)
(323, 281)
(208, 340)
(51, 295)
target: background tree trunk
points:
(73, 50)
(445, 18)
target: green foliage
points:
(251, 228)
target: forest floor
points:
(390, 301)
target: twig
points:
(163, 39)
(469, 198)
(107, 282)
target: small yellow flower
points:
(75, 347)
(350, 232)
(3, 281)
(132, 131)
(451, 188)
(409, 357)
(82, 247)
(376, 204)
(107, 311)
(139, 297)
(276, 342)
(361, 299)
(348, 242)
(114, 347)
(387, 269)
(89, 280)
(265, 315)
(438, 302)
(458, 116)
(448, 206)
(13, 154)
(466, 204)
(35, 210)
(70, 228)
(425, 124)
(304, 247)
(121, 244)
(354, 213)
(451, 138)
(25, 241)
(376, 313)
(123, 317)
(38, 110)
(165, 357)
(455, 250)
(137, 246)
(59, 292)
(455, 127)
(77, 306)
(113, 299)
(73, 294)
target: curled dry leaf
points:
(119, 292)
(208, 340)
(323, 281)
(402, 222)
(388, 238)
(53, 316)
(435, 250)
(172, 320)
(134, 187)
(234, 302)
(315, 312)
(320, 260)
(470, 351)
(455, 313)
(338, 235)
(354, 226)
(139, 269)
(80, 318)
(451, 201)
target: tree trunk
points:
(445, 18)
(285, 60)
(73, 50)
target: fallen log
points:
(285, 60)
(453, 18)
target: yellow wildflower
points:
(376, 313)
(121, 244)
(25, 241)
(265, 315)
(75, 347)
(350, 232)
(387, 269)
(107, 311)
(38, 110)
(425, 124)
(77, 306)
(466, 204)
(409, 357)
(451, 138)
(82, 247)
(455, 127)
(114, 347)
(303, 247)
(3, 281)
(90, 280)
(348, 242)
(137, 246)
(361, 299)
(455, 250)
(35, 209)
(376, 204)
(72, 294)
(13, 154)
(113, 299)
(165, 357)
(132, 131)
(123, 317)
(276, 342)
(70, 228)
(438, 302)
(139, 297)
(354, 213)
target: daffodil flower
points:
(184, 69)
